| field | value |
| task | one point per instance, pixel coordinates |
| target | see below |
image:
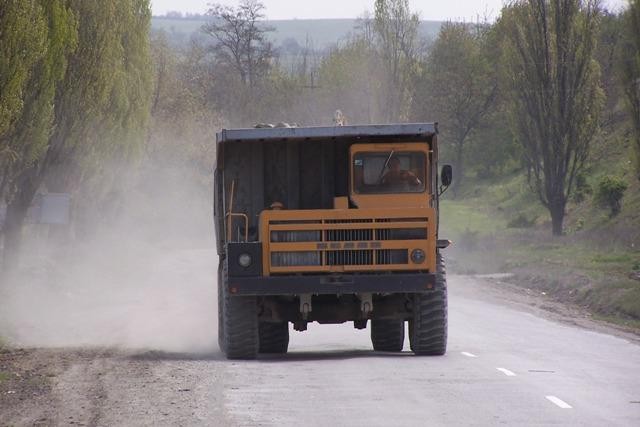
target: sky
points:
(468, 10)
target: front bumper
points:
(333, 284)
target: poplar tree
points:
(100, 75)
(28, 138)
(629, 71)
(20, 51)
(555, 91)
(396, 29)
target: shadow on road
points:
(311, 356)
(299, 356)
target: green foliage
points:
(492, 151)
(20, 51)
(29, 137)
(577, 226)
(182, 123)
(582, 188)
(610, 192)
(555, 91)
(610, 258)
(396, 31)
(629, 71)
(85, 105)
(350, 77)
(106, 90)
(458, 88)
(606, 53)
(102, 105)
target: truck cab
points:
(329, 225)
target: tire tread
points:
(428, 331)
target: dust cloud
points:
(142, 279)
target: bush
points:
(609, 194)
(579, 225)
(582, 189)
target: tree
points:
(349, 79)
(241, 41)
(28, 136)
(555, 91)
(103, 106)
(20, 51)
(629, 71)
(242, 59)
(609, 194)
(396, 28)
(458, 87)
(182, 123)
(607, 52)
(101, 100)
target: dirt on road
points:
(104, 387)
(96, 386)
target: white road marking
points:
(561, 403)
(466, 353)
(506, 372)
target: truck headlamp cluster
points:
(417, 256)
(244, 260)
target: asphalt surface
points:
(507, 364)
(503, 366)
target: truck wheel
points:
(274, 337)
(239, 325)
(220, 309)
(387, 334)
(428, 328)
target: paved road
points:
(506, 364)
(503, 366)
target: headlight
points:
(244, 260)
(417, 256)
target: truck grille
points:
(362, 257)
(333, 244)
(350, 257)
(295, 259)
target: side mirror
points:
(446, 176)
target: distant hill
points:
(321, 32)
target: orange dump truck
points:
(330, 225)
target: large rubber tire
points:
(428, 328)
(220, 308)
(274, 337)
(387, 334)
(239, 325)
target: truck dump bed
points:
(419, 131)
(300, 167)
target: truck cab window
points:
(389, 172)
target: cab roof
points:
(415, 131)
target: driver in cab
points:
(396, 176)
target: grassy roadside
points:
(500, 227)
(4, 376)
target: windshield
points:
(389, 172)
